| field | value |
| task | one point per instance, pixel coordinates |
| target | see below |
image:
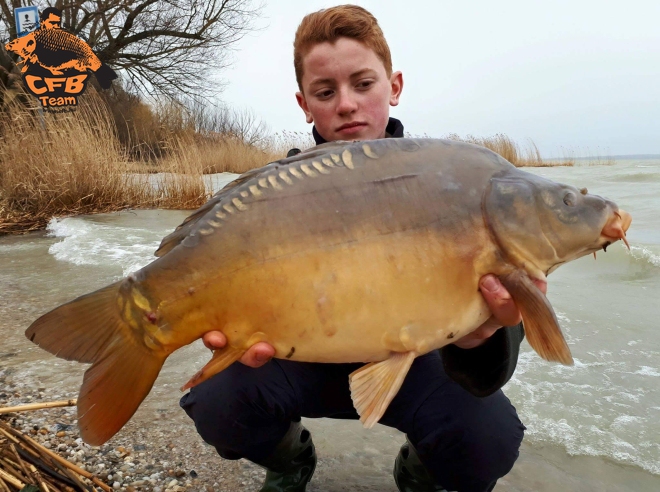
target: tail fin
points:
(90, 329)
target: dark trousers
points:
(466, 442)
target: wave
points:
(589, 409)
(88, 243)
(645, 256)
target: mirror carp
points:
(349, 252)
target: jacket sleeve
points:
(485, 369)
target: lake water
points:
(607, 405)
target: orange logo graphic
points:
(56, 63)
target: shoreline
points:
(160, 451)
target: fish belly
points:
(352, 302)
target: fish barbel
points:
(350, 252)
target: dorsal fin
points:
(172, 240)
(316, 151)
(182, 231)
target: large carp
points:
(361, 252)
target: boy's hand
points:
(505, 312)
(256, 356)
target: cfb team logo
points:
(56, 63)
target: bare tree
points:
(171, 48)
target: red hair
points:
(328, 25)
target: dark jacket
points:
(482, 370)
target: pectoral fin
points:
(375, 385)
(541, 326)
(220, 361)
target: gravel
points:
(140, 457)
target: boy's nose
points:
(346, 103)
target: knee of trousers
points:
(239, 410)
(472, 447)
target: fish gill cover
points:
(56, 63)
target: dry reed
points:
(585, 156)
(73, 163)
(519, 156)
(25, 465)
(64, 163)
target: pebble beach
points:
(141, 458)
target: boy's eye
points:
(324, 94)
(365, 84)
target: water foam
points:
(648, 371)
(645, 254)
(89, 243)
(600, 406)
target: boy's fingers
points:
(499, 301)
(542, 285)
(214, 340)
(258, 354)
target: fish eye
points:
(570, 199)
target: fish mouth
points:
(615, 229)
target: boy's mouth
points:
(352, 127)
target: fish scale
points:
(370, 252)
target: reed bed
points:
(585, 156)
(27, 466)
(73, 163)
(281, 142)
(519, 155)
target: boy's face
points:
(346, 92)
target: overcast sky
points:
(582, 74)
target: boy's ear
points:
(302, 102)
(396, 84)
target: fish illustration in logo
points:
(57, 50)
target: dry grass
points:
(229, 154)
(585, 156)
(65, 164)
(519, 156)
(75, 163)
(281, 142)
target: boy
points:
(462, 432)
